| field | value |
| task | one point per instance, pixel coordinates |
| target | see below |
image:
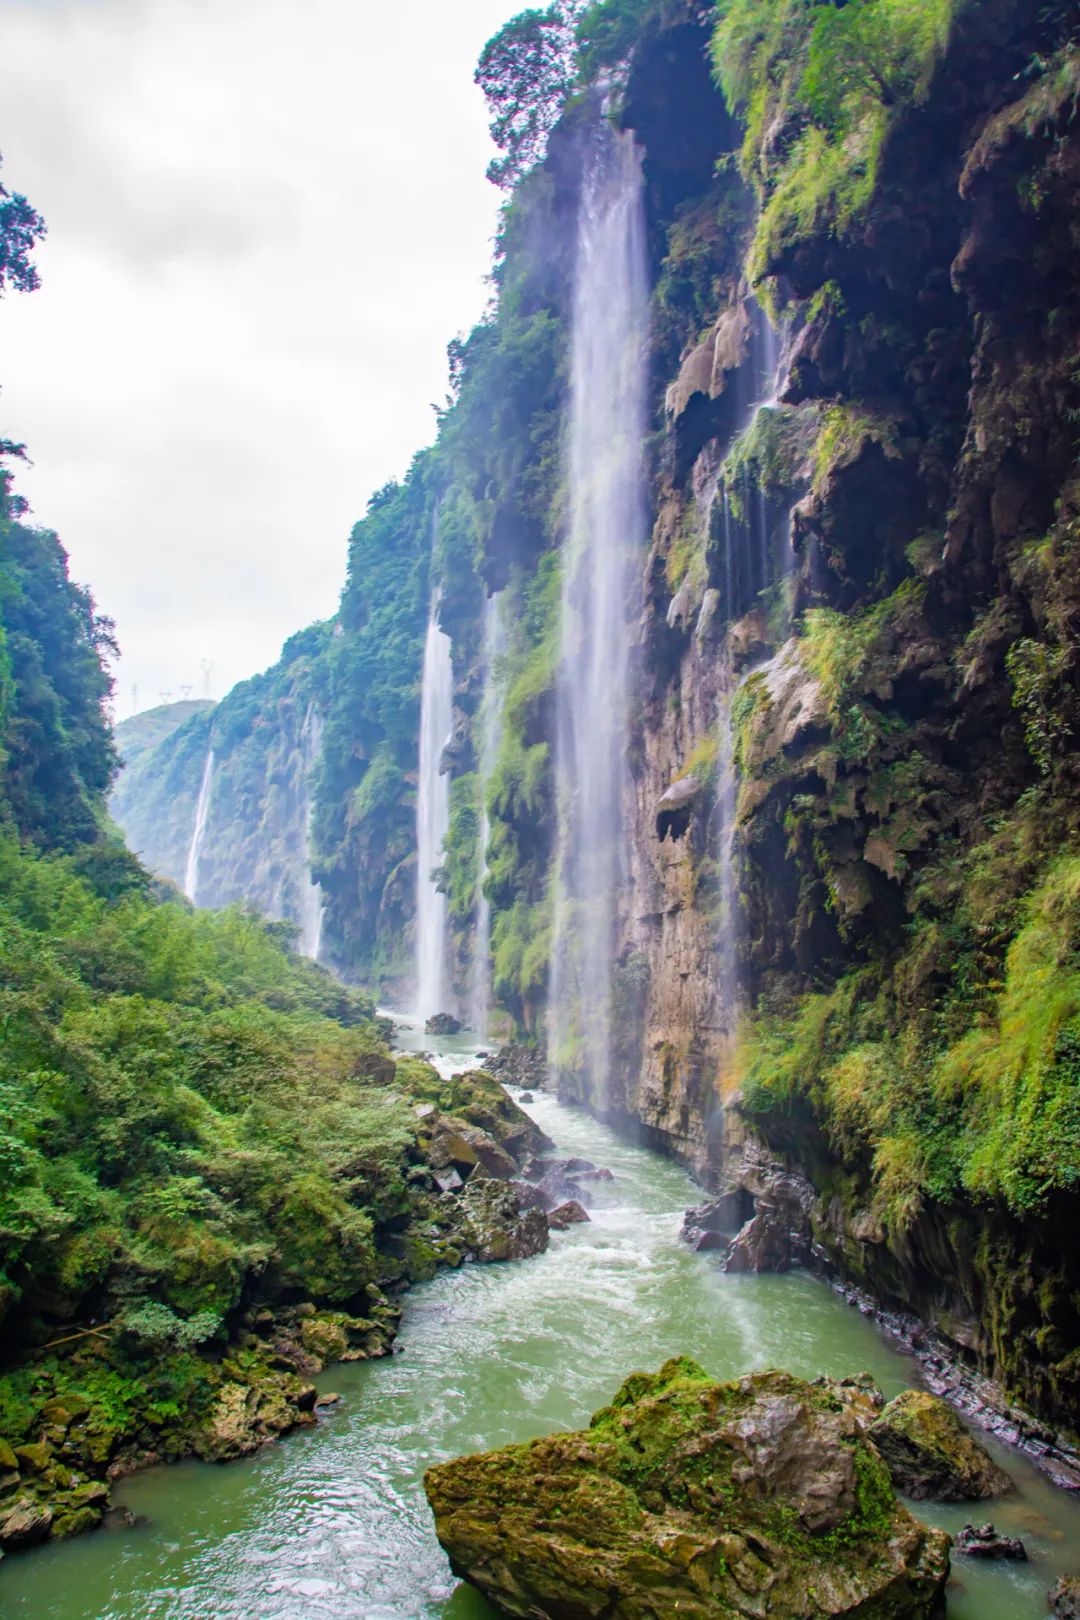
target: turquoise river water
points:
(332, 1524)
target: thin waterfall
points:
(490, 737)
(198, 832)
(605, 542)
(311, 895)
(432, 818)
(748, 570)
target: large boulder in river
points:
(690, 1497)
(930, 1454)
(495, 1225)
(443, 1023)
(477, 1098)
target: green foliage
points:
(945, 1074)
(181, 1112)
(871, 53)
(769, 455)
(832, 77)
(607, 31)
(58, 754)
(460, 871)
(21, 226)
(844, 432)
(1040, 676)
(525, 72)
(703, 759)
(848, 653)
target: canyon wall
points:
(846, 936)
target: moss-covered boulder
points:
(930, 1455)
(761, 1497)
(493, 1225)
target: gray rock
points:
(568, 1214)
(25, 1521)
(1064, 1598)
(498, 1228)
(985, 1542)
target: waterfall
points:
(202, 811)
(490, 737)
(311, 896)
(748, 571)
(600, 562)
(432, 818)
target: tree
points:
(870, 51)
(525, 72)
(20, 227)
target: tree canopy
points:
(525, 72)
(20, 227)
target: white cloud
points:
(266, 219)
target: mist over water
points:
(432, 818)
(606, 540)
(198, 832)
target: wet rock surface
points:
(518, 1065)
(691, 1497)
(711, 1225)
(931, 1456)
(443, 1023)
(984, 1542)
(1063, 1598)
(569, 1214)
(495, 1227)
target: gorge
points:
(768, 853)
(699, 717)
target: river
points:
(332, 1524)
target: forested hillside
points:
(212, 1167)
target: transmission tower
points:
(185, 692)
(207, 669)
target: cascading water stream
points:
(311, 896)
(490, 736)
(432, 817)
(748, 572)
(607, 530)
(198, 833)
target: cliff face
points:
(220, 802)
(903, 722)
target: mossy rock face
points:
(761, 1497)
(931, 1456)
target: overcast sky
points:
(266, 220)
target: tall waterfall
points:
(490, 736)
(600, 563)
(311, 896)
(432, 818)
(198, 832)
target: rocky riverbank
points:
(88, 1410)
(770, 1217)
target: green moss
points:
(836, 78)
